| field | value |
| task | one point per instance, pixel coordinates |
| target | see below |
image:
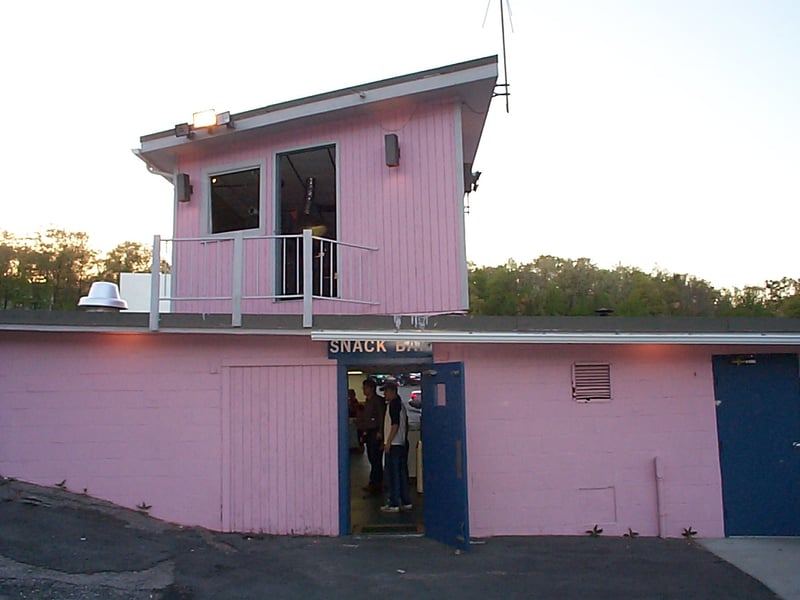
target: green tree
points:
(556, 286)
(127, 257)
(64, 265)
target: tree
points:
(63, 266)
(127, 257)
(556, 286)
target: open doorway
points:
(307, 199)
(366, 516)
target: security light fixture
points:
(183, 130)
(224, 118)
(204, 119)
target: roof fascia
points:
(390, 89)
(489, 337)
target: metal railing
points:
(213, 274)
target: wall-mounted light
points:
(392, 150)
(183, 188)
(470, 178)
(224, 118)
(474, 181)
(183, 130)
(204, 119)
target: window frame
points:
(226, 169)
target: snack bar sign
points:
(382, 348)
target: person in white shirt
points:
(395, 450)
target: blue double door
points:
(758, 424)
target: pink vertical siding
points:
(540, 463)
(411, 212)
(280, 475)
(139, 418)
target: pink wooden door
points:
(279, 450)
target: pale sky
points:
(649, 133)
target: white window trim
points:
(209, 172)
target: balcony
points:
(273, 274)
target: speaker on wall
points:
(392, 150)
(183, 189)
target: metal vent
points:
(591, 382)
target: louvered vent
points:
(591, 382)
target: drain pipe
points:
(662, 516)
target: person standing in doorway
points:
(374, 407)
(396, 450)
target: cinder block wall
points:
(151, 418)
(541, 463)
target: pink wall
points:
(151, 418)
(239, 432)
(412, 213)
(540, 463)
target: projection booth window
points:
(235, 200)
(306, 199)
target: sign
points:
(379, 348)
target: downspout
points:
(662, 515)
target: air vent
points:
(591, 382)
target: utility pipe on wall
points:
(662, 516)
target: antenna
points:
(503, 85)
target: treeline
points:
(558, 286)
(53, 269)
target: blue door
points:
(758, 423)
(444, 455)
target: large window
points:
(235, 200)
(307, 200)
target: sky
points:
(657, 134)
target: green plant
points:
(689, 533)
(143, 507)
(631, 533)
(594, 531)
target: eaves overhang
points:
(549, 337)
(460, 329)
(471, 81)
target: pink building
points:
(290, 285)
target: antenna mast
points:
(504, 85)
(505, 64)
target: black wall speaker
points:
(392, 150)
(183, 190)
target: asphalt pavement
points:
(58, 545)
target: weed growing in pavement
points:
(689, 533)
(594, 531)
(631, 533)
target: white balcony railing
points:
(224, 273)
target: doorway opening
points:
(307, 199)
(366, 501)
